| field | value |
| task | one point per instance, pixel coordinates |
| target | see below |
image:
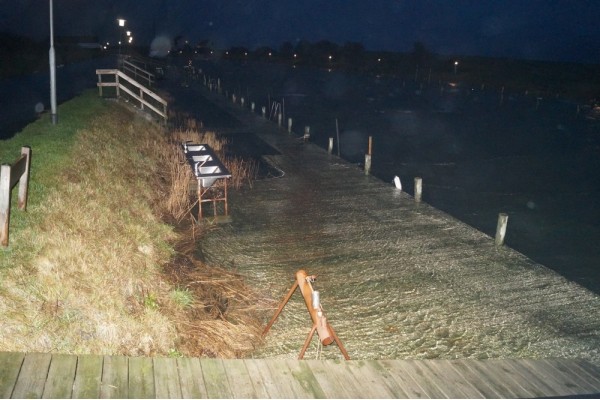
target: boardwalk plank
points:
(558, 381)
(280, 378)
(488, 384)
(453, 379)
(191, 379)
(571, 373)
(415, 371)
(141, 378)
(88, 377)
(332, 379)
(592, 371)
(506, 373)
(215, 378)
(529, 380)
(115, 376)
(61, 375)
(305, 378)
(239, 380)
(404, 380)
(390, 383)
(260, 387)
(166, 378)
(32, 377)
(10, 365)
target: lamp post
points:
(121, 22)
(455, 66)
(52, 60)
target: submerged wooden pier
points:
(88, 376)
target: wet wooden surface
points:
(85, 376)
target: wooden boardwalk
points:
(86, 376)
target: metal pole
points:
(52, 57)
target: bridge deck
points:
(40, 375)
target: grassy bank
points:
(97, 264)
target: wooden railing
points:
(123, 83)
(10, 175)
(137, 73)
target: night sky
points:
(556, 30)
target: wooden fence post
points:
(501, 228)
(9, 176)
(418, 189)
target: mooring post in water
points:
(289, 125)
(306, 136)
(264, 112)
(330, 147)
(418, 189)
(242, 102)
(252, 105)
(368, 156)
(501, 228)
(325, 331)
(279, 119)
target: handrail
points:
(138, 72)
(117, 83)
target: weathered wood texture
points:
(86, 376)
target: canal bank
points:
(398, 279)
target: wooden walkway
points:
(86, 376)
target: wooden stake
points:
(501, 228)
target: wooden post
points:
(117, 82)
(252, 105)
(330, 147)
(242, 102)
(370, 151)
(233, 98)
(306, 133)
(418, 189)
(367, 164)
(279, 118)
(289, 125)
(501, 228)
(4, 203)
(100, 84)
(264, 112)
(9, 176)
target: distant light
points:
(379, 60)
(330, 57)
(121, 22)
(107, 43)
(269, 54)
(455, 62)
(295, 55)
(245, 53)
(128, 33)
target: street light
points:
(455, 66)
(52, 60)
(121, 23)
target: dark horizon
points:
(562, 30)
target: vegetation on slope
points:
(96, 264)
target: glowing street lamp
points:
(121, 23)
(455, 66)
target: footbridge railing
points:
(135, 91)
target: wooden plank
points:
(590, 371)
(414, 370)
(570, 372)
(115, 378)
(215, 379)
(10, 365)
(374, 379)
(88, 377)
(404, 380)
(141, 378)
(452, 381)
(487, 383)
(61, 375)
(166, 378)
(558, 381)
(191, 379)
(32, 378)
(305, 378)
(514, 382)
(280, 377)
(332, 380)
(260, 386)
(239, 379)
(530, 380)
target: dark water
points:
(479, 152)
(24, 98)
